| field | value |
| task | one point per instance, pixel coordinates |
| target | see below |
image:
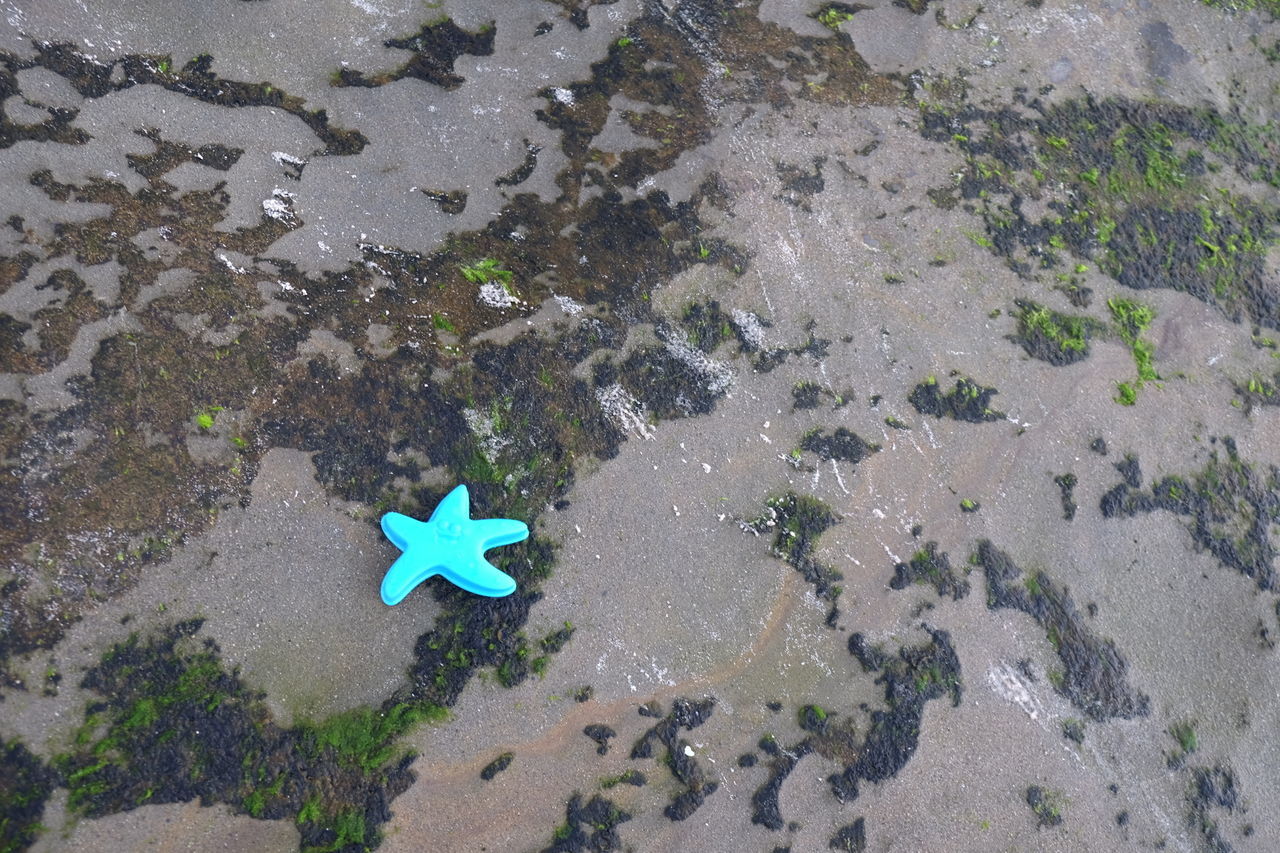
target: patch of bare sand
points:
(187, 827)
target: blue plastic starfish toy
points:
(449, 544)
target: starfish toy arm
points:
(455, 506)
(500, 531)
(479, 576)
(451, 544)
(405, 574)
(399, 528)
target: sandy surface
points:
(669, 594)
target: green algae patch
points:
(1147, 191)
(1053, 336)
(967, 401)
(364, 737)
(1132, 319)
(174, 725)
(832, 15)
(1258, 390)
(1232, 507)
(1094, 673)
(1184, 735)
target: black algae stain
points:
(841, 444)
(601, 734)
(798, 521)
(522, 172)
(1094, 673)
(933, 567)
(589, 828)
(1232, 506)
(1046, 805)
(916, 675)
(1213, 789)
(805, 395)
(851, 838)
(1073, 730)
(627, 777)
(1066, 486)
(1130, 471)
(765, 808)
(169, 494)
(93, 79)
(451, 202)
(25, 784)
(968, 401)
(138, 488)
(800, 185)
(493, 768)
(435, 48)
(678, 755)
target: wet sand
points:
(823, 221)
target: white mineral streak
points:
(626, 411)
(750, 327)
(496, 296)
(491, 444)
